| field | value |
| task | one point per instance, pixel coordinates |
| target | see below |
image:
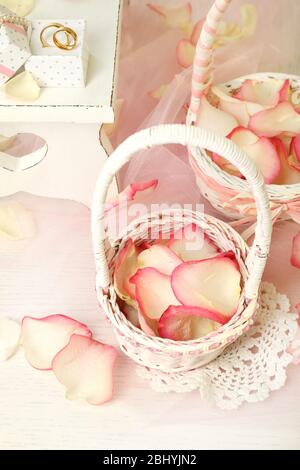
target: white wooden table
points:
(68, 119)
(55, 274)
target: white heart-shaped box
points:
(24, 151)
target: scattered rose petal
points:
(131, 193)
(215, 119)
(271, 122)
(16, 222)
(267, 93)
(184, 323)
(178, 17)
(196, 32)
(19, 7)
(42, 338)
(159, 257)
(212, 284)
(85, 368)
(190, 243)
(185, 52)
(261, 151)
(22, 87)
(153, 292)
(229, 32)
(10, 332)
(6, 142)
(295, 259)
(125, 268)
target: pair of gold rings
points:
(70, 36)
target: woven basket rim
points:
(234, 327)
(275, 191)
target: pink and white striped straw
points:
(203, 62)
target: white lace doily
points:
(248, 370)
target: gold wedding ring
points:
(60, 28)
(69, 31)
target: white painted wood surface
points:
(70, 168)
(94, 102)
(55, 274)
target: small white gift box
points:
(14, 46)
(52, 67)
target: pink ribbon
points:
(278, 210)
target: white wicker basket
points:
(156, 352)
(229, 194)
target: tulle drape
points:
(148, 62)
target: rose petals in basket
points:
(261, 151)
(85, 368)
(294, 157)
(240, 110)
(159, 257)
(126, 267)
(271, 122)
(288, 174)
(153, 292)
(184, 323)
(267, 93)
(190, 243)
(215, 119)
(212, 284)
(43, 338)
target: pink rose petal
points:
(271, 122)
(267, 93)
(131, 313)
(190, 243)
(176, 17)
(213, 284)
(295, 259)
(131, 193)
(215, 119)
(196, 32)
(240, 110)
(294, 154)
(148, 326)
(153, 292)
(261, 151)
(85, 368)
(288, 175)
(185, 52)
(183, 323)
(42, 338)
(159, 257)
(125, 268)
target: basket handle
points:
(203, 61)
(196, 138)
